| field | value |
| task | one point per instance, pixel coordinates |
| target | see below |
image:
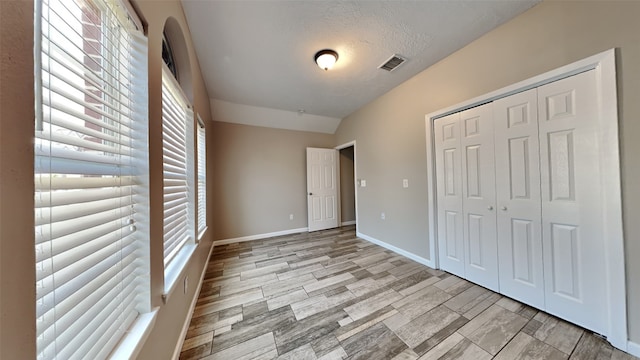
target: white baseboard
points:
(346, 223)
(397, 250)
(259, 236)
(633, 348)
(194, 301)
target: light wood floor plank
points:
(331, 296)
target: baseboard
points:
(259, 236)
(397, 250)
(346, 223)
(633, 348)
(194, 301)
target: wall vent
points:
(394, 61)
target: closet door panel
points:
(573, 235)
(518, 198)
(449, 190)
(478, 187)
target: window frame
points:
(178, 263)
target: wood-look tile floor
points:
(330, 295)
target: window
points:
(178, 170)
(90, 165)
(167, 56)
(202, 178)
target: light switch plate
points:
(405, 183)
(363, 183)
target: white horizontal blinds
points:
(91, 268)
(177, 141)
(202, 177)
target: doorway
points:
(347, 181)
(347, 188)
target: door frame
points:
(355, 180)
(605, 67)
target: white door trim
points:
(605, 68)
(355, 176)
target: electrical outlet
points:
(405, 183)
(290, 216)
(186, 284)
(383, 216)
(363, 183)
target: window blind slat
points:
(81, 194)
(202, 176)
(67, 278)
(54, 137)
(70, 212)
(177, 171)
(62, 228)
(70, 90)
(111, 232)
(174, 149)
(106, 297)
(69, 109)
(91, 168)
(74, 125)
(69, 309)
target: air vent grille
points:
(393, 62)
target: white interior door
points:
(322, 189)
(572, 231)
(479, 196)
(449, 194)
(518, 197)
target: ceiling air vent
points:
(393, 62)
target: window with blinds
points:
(90, 177)
(178, 169)
(202, 177)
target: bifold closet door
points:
(518, 198)
(572, 226)
(479, 196)
(449, 190)
(465, 179)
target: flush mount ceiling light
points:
(326, 58)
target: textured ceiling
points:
(260, 53)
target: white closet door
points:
(449, 190)
(518, 197)
(479, 196)
(573, 235)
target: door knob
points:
(504, 208)
(490, 207)
(310, 193)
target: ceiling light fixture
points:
(326, 58)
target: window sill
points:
(176, 269)
(201, 233)
(132, 342)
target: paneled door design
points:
(449, 184)
(518, 197)
(322, 190)
(551, 145)
(479, 196)
(573, 234)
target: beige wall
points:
(17, 253)
(172, 316)
(347, 187)
(260, 178)
(390, 131)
